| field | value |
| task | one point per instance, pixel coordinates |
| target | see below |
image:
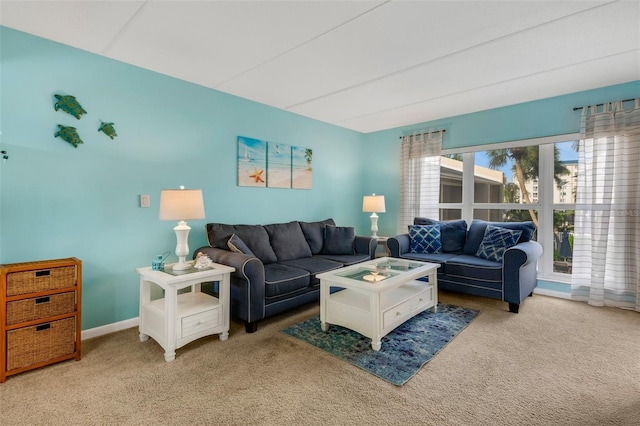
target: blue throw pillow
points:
(453, 233)
(236, 244)
(339, 239)
(496, 241)
(425, 239)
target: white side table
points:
(177, 319)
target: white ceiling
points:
(363, 65)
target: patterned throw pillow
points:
(496, 241)
(425, 239)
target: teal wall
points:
(58, 201)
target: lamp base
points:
(182, 248)
(182, 266)
(374, 225)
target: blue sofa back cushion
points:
(452, 233)
(314, 234)
(287, 241)
(477, 228)
(424, 239)
(236, 244)
(495, 241)
(254, 236)
(339, 239)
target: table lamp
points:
(181, 205)
(373, 204)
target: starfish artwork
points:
(257, 175)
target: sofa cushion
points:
(453, 234)
(281, 279)
(425, 239)
(287, 241)
(236, 245)
(496, 240)
(314, 265)
(440, 258)
(254, 236)
(346, 259)
(477, 228)
(338, 239)
(314, 234)
(474, 268)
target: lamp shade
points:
(181, 204)
(373, 204)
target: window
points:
(528, 180)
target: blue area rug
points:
(404, 351)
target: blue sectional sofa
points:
(276, 265)
(470, 259)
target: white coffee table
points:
(377, 296)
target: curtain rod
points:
(624, 100)
(435, 131)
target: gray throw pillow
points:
(236, 244)
(254, 236)
(287, 241)
(339, 239)
(314, 233)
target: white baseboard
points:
(553, 293)
(133, 322)
(109, 328)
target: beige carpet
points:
(557, 362)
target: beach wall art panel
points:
(252, 162)
(301, 167)
(278, 165)
(274, 165)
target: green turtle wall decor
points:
(69, 104)
(107, 129)
(69, 134)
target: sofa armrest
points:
(247, 282)
(366, 245)
(519, 270)
(399, 245)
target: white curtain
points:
(419, 177)
(606, 256)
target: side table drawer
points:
(194, 324)
(39, 343)
(40, 307)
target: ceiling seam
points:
(127, 24)
(487, 85)
(448, 55)
(279, 55)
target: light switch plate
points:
(145, 201)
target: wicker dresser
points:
(39, 314)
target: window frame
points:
(544, 206)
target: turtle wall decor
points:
(107, 129)
(69, 104)
(69, 134)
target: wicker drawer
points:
(40, 307)
(40, 280)
(40, 343)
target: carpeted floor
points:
(557, 362)
(404, 350)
